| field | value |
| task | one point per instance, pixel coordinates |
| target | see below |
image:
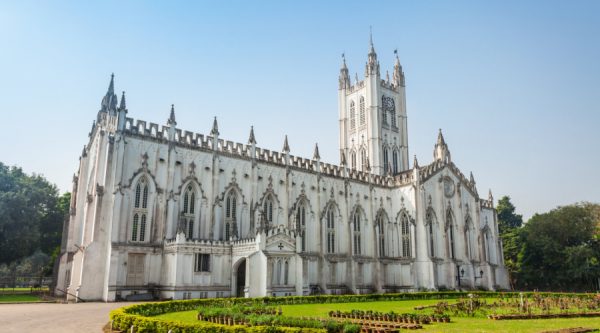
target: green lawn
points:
(10, 298)
(457, 325)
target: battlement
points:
(198, 141)
(486, 204)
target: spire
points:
(398, 77)
(372, 63)
(109, 101)
(286, 146)
(171, 120)
(252, 140)
(441, 151)
(215, 128)
(415, 163)
(471, 178)
(344, 77)
(122, 106)
(316, 155)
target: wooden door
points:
(135, 269)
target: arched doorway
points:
(241, 279)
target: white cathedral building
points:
(158, 211)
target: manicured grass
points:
(457, 325)
(19, 298)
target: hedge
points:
(140, 315)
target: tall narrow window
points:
(201, 262)
(230, 215)
(361, 107)
(381, 227)
(140, 211)
(395, 161)
(330, 231)
(301, 225)
(450, 231)
(363, 159)
(188, 214)
(353, 159)
(486, 247)
(386, 165)
(268, 210)
(467, 235)
(356, 232)
(352, 115)
(429, 222)
(405, 233)
(286, 272)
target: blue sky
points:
(515, 85)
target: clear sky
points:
(514, 85)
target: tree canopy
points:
(31, 214)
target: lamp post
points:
(460, 272)
(480, 275)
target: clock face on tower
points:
(388, 103)
(448, 187)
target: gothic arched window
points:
(268, 210)
(230, 215)
(356, 231)
(468, 237)
(140, 211)
(189, 212)
(405, 235)
(363, 159)
(430, 232)
(395, 161)
(353, 159)
(330, 230)
(450, 231)
(386, 161)
(352, 115)
(301, 224)
(380, 223)
(361, 108)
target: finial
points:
(343, 158)
(111, 86)
(122, 106)
(371, 36)
(415, 163)
(471, 178)
(490, 196)
(368, 165)
(215, 128)
(286, 146)
(316, 155)
(171, 120)
(441, 138)
(252, 140)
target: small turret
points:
(286, 146)
(398, 78)
(372, 67)
(344, 77)
(171, 123)
(441, 151)
(109, 101)
(215, 134)
(122, 113)
(415, 163)
(491, 197)
(251, 139)
(343, 159)
(316, 155)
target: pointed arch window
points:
(230, 215)
(268, 210)
(188, 215)
(431, 236)
(363, 159)
(352, 115)
(405, 235)
(356, 237)
(486, 246)
(361, 108)
(386, 161)
(301, 224)
(395, 161)
(393, 115)
(450, 232)
(468, 236)
(140, 211)
(353, 159)
(330, 230)
(381, 237)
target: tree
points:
(31, 214)
(509, 225)
(561, 249)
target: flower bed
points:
(543, 316)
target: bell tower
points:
(372, 116)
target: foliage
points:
(31, 215)
(507, 218)
(561, 249)
(509, 224)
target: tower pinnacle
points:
(122, 106)
(372, 63)
(344, 77)
(286, 146)
(171, 120)
(215, 128)
(252, 140)
(109, 101)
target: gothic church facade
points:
(161, 212)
